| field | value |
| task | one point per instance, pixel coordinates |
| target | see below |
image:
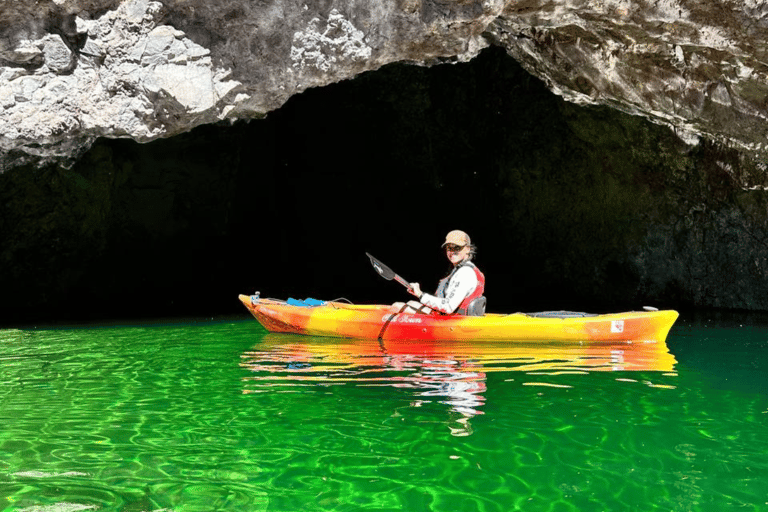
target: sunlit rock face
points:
(75, 70)
(73, 76)
(697, 66)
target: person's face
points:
(456, 253)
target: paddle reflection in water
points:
(448, 372)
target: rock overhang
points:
(77, 70)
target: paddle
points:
(387, 273)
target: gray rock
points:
(24, 54)
(158, 42)
(58, 57)
(7, 98)
(91, 48)
(8, 75)
(692, 66)
(25, 87)
(322, 47)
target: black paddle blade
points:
(383, 270)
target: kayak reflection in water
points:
(459, 387)
(461, 292)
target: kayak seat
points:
(476, 307)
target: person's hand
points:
(416, 290)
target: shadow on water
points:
(450, 373)
(725, 349)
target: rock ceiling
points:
(75, 70)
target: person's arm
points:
(461, 285)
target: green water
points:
(208, 416)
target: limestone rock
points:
(132, 77)
(693, 66)
(57, 56)
(145, 69)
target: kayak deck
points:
(338, 319)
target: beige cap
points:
(457, 237)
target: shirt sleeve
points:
(460, 286)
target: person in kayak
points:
(457, 292)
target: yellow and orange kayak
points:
(342, 320)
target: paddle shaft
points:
(402, 281)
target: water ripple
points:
(220, 416)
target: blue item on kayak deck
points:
(306, 303)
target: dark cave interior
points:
(387, 163)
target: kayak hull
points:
(336, 319)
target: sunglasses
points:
(454, 247)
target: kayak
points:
(378, 322)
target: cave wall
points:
(572, 207)
(75, 70)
